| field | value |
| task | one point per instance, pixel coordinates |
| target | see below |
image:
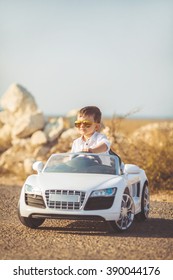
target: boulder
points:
(26, 126)
(5, 137)
(6, 117)
(54, 128)
(20, 112)
(38, 138)
(1, 124)
(18, 100)
(11, 161)
(42, 152)
(22, 142)
(70, 134)
(28, 162)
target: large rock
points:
(1, 123)
(70, 134)
(12, 160)
(5, 137)
(20, 112)
(38, 138)
(22, 139)
(54, 128)
(28, 162)
(26, 126)
(7, 117)
(18, 100)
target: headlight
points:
(32, 189)
(105, 192)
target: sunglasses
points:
(86, 124)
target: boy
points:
(91, 140)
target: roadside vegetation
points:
(152, 150)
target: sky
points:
(114, 54)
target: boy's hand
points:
(87, 150)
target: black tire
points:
(127, 214)
(145, 204)
(29, 221)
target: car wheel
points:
(145, 204)
(29, 221)
(127, 214)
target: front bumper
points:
(81, 214)
(67, 217)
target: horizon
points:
(139, 117)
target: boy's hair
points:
(91, 110)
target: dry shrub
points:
(155, 158)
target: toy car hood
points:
(73, 181)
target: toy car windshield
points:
(83, 163)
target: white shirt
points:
(97, 138)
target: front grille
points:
(34, 200)
(64, 199)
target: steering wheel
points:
(92, 157)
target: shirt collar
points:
(92, 136)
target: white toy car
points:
(84, 186)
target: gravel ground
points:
(72, 240)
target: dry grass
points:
(162, 195)
(155, 156)
(128, 126)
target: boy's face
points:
(86, 125)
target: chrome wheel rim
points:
(127, 213)
(146, 201)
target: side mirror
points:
(37, 166)
(131, 169)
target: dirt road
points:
(74, 240)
